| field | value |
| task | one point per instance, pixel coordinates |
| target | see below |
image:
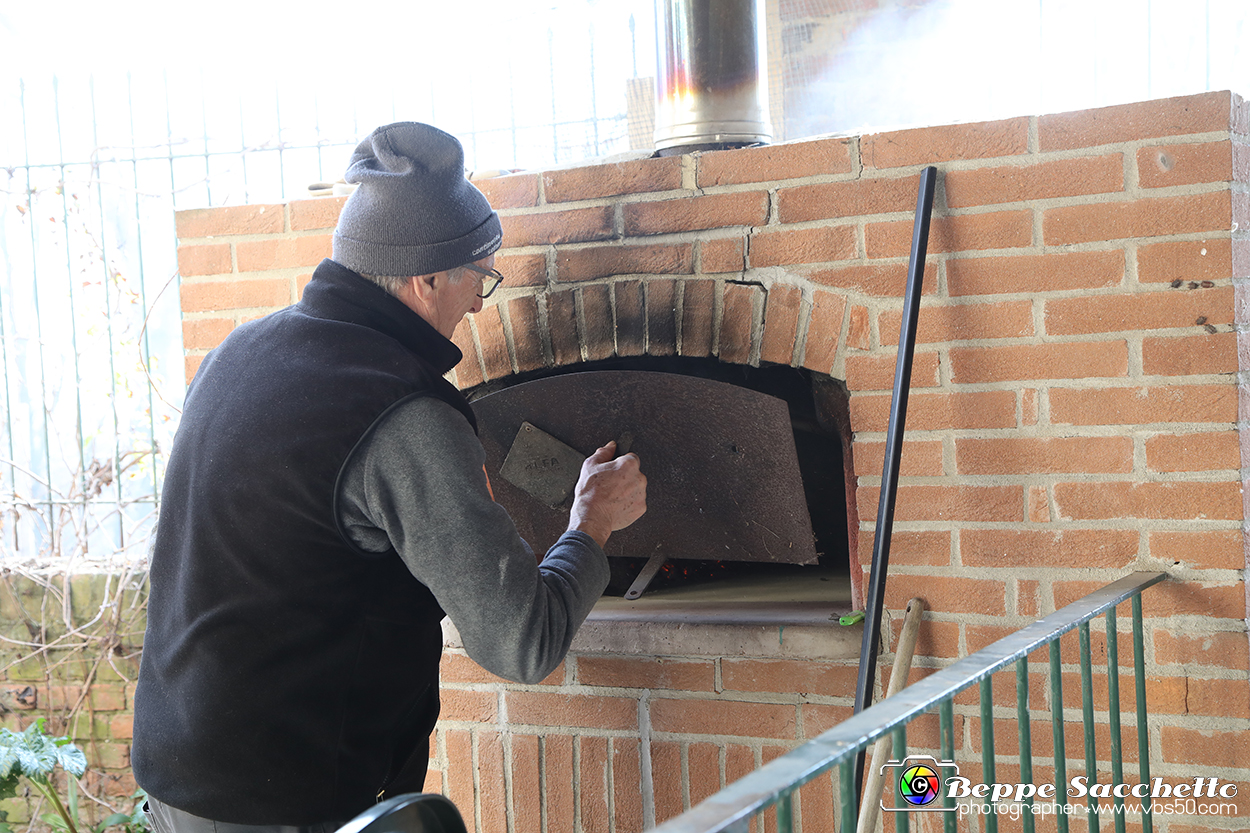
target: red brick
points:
(938, 411)
(1043, 455)
(553, 709)
(1038, 181)
(817, 719)
(526, 333)
(883, 280)
(1027, 591)
(627, 783)
(696, 318)
(876, 372)
(637, 176)
(1225, 649)
(559, 781)
(724, 254)
(859, 328)
(205, 333)
(1222, 549)
(824, 331)
(920, 458)
(494, 344)
(646, 673)
(522, 270)
(1202, 113)
(1149, 217)
(208, 259)
(661, 318)
(702, 770)
(947, 143)
(282, 252)
(737, 329)
(460, 770)
(723, 717)
(1143, 405)
(1214, 749)
(1066, 548)
(958, 233)
(469, 368)
(1218, 698)
(512, 191)
(811, 245)
(1182, 501)
(602, 261)
(458, 668)
(1185, 260)
(1207, 451)
(958, 322)
(666, 780)
(1052, 272)
(746, 208)
(952, 594)
(816, 804)
(599, 336)
(467, 706)
(947, 503)
(577, 225)
(631, 321)
(562, 326)
(315, 213)
(1199, 355)
(122, 727)
(781, 323)
(190, 364)
(927, 548)
(1015, 362)
(594, 785)
(772, 163)
(491, 788)
(788, 676)
(1164, 166)
(238, 219)
(526, 782)
(853, 198)
(215, 296)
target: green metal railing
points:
(732, 809)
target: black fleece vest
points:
(288, 678)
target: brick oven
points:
(1075, 415)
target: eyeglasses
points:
(493, 274)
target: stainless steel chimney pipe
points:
(712, 79)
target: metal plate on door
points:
(723, 479)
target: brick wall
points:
(1074, 417)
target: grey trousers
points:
(166, 819)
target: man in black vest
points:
(325, 504)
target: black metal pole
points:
(875, 600)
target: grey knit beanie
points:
(413, 212)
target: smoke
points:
(924, 62)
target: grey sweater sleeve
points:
(417, 483)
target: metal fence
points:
(773, 786)
(92, 169)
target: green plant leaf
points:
(71, 759)
(8, 755)
(112, 821)
(54, 821)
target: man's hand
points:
(611, 494)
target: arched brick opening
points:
(750, 330)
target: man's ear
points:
(425, 286)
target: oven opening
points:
(768, 526)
